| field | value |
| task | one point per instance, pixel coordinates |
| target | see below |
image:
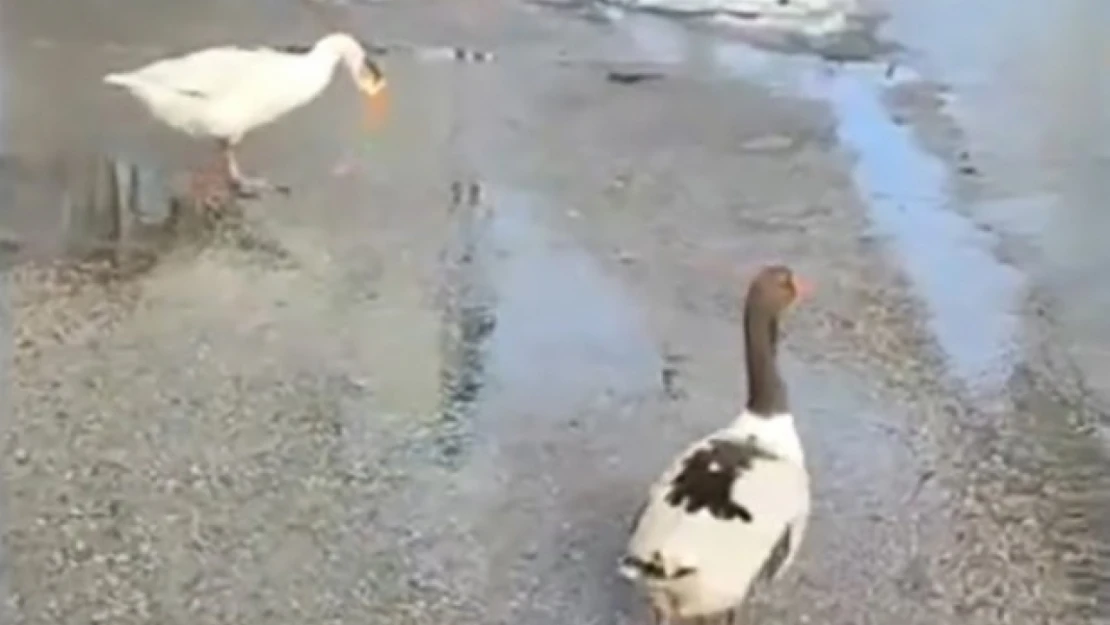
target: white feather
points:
(725, 556)
(227, 91)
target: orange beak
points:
(376, 107)
(802, 288)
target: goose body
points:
(732, 508)
(226, 92)
(223, 93)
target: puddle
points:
(1029, 94)
(110, 210)
(969, 293)
(529, 319)
(661, 41)
(950, 261)
(82, 207)
(833, 33)
(564, 330)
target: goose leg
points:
(243, 186)
(209, 186)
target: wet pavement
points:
(431, 385)
(1037, 160)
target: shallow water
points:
(1031, 93)
(556, 308)
(969, 294)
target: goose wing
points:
(723, 511)
(212, 73)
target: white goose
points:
(225, 92)
(733, 507)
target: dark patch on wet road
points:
(469, 314)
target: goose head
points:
(368, 76)
(773, 290)
(776, 288)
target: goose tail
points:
(630, 568)
(119, 80)
(634, 568)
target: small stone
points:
(359, 383)
(768, 143)
(625, 257)
(81, 550)
(631, 78)
(22, 456)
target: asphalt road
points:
(432, 384)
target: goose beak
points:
(372, 84)
(802, 288)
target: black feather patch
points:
(654, 568)
(192, 93)
(683, 572)
(374, 69)
(294, 48)
(775, 559)
(647, 568)
(374, 48)
(639, 515)
(707, 475)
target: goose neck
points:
(766, 389)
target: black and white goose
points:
(731, 509)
